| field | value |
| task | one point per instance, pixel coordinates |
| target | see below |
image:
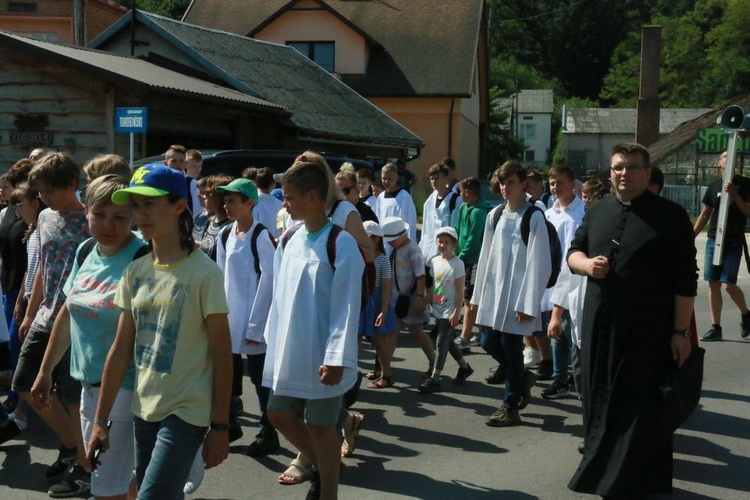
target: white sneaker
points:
(197, 470)
(531, 357)
(20, 422)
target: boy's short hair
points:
(264, 178)
(377, 183)
(657, 178)
(364, 173)
(510, 168)
(194, 154)
(629, 148)
(562, 170)
(472, 185)
(595, 189)
(533, 175)
(55, 170)
(449, 162)
(174, 148)
(107, 164)
(99, 192)
(389, 167)
(439, 169)
(250, 173)
(310, 172)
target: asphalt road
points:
(437, 446)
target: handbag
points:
(681, 391)
(403, 301)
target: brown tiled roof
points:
(686, 132)
(429, 47)
(133, 72)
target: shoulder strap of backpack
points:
(333, 208)
(188, 180)
(526, 223)
(284, 238)
(331, 245)
(259, 228)
(225, 234)
(86, 248)
(452, 203)
(496, 216)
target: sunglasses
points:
(347, 190)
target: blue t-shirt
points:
(90, 292)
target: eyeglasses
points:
(618, 169)
(347, 190)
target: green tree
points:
(728, 54)
(501, 145)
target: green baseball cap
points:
(242, 186)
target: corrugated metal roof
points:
(623, 121)
(320, 104)
(137, 70)
(536, 101)
(429, 47)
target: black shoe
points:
(745, 325)
(556, 390)
(65, 460)
(265, 442)
(713, 335)
(525, 398)
(237, 404)
(429, 386)
(9, 431)
(76, 483)
(235, 431)
(545, 370)
(9, 406)
(582, 447)
(463, 374)
(314, 492)
(496, 376)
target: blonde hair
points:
(389, 167)
(99, 192)
(309, 172)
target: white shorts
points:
(114, 474)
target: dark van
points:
(235, 161)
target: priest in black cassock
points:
(638, 252)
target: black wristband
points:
(219, 427)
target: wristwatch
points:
(219, 427)
(685, 332)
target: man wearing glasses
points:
(638, 252)
(734, 239)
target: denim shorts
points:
(729, 268)
(316, 412)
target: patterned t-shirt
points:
(173, 362)
(445, 273)
(60, 233)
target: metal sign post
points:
(724, 199)
(132, 120)
(732, 121)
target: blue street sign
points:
(133, 120)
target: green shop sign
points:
(715, 140)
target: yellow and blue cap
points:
(154, 179)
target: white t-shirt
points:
(445, 273)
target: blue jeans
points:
(507, 349)
(560, 347)
(164, 452)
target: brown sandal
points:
(350, 442)
(373, 375)
(381, 383)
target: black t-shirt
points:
(12, 250)
(365, 212)
(736, 220)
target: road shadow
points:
(372, 473)
(19, 473)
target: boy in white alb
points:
(266, 209)
(312, 327)
(395, 201)
(511, 278)
(245, 253)
(440, 210)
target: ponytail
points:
(186, 226)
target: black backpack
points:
(88, 246)
(368, 275)
(555, 248)
(259, 228)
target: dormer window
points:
(322, 53)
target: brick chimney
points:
(647, 113)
